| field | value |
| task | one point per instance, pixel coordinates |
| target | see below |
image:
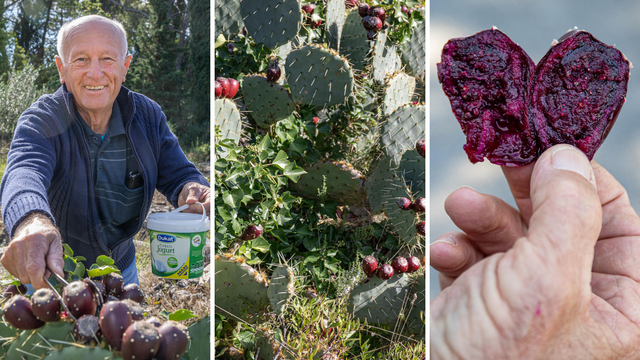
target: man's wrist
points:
(30, 219)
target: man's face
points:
(94, 66)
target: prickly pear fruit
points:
(273, 72)
(136, 310)
(309, 8)
(154, 320)
(421, 147)
(363, 9)
(233, 88)
(113, 282)
(400, 265)
(350, 3)
(419, 206)
(14, 290)
(86, 329)
(174, 341)
(115, 318)
(80, 299)
(404, 203)
(369, 265)
(405, 9)
(252, 232)
(420, 228)
(224, 82)
(372, 23)
(45, 305)
(140, 341)
(230, 47)
(377, 12)
(17, 312)
(133, 292)
(385, 272)
(218, 90)
(414, 264)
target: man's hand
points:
(557, 279)
(36, 243)
(193, 192)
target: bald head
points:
(69, 29)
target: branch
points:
(10, 5)
(129, 9)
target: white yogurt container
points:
(177, 243)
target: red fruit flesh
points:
(385, 272)
(86, 330)
(420, 228)
(400, 265)
(363, 9)
(419, 206)
(115, 318)
(421, 147)
(252, 232)
(80, 299)
(224, 83)
(174, 341)
(113, 283)
(404, 204)
(17, 312)
(233, 88)
(369, 265)
(133, 292)
(581, 87)
(488, 78)
(218, 89)
(414, 264)
(140, 341)
(45, 305)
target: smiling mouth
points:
(94, 87)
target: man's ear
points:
(59, 65)
(127, 62)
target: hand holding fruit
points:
(562, 270)
(35, 245)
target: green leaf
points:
(220, 40)
(180, 315)
(309, 259)
(233, 197)
(81, 258)
(67, 250)
(224, 214)
(79, 271)
(103, 260)
(69, 264)
(293, 172)
(246, 339)
(265, 144)
(310, 243)
(165, 314)
(298, 146)
(102, 270)
(7, 282)
(281, 160)
(260, 244)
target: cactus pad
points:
(385, 58)
(227, 17)
(7, 334)
(354, 45)
(269, 345)
(238, 287)
(380, 301)
(271, 22)
(31, 341)
(227, 117)
(200, 345)
(83, 353)
(345, 185)
(398, 91)
(281, 287)
(413, 53)
(267, 102)
(417, 316)
(402, 130)
(335, 17)
(317, 76)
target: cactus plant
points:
(403, 129)
(200, 345)
(272, 22)
(398, 91)
(353, 41)
(39, 342)
(267, 102)
(413, 53)
(318, 76)
(380, 301)
(344, 184)
(335, 16)
(227, 17)
(227, 117)
(417, 317)
(281, 287)
(238, 283)
(385, 58)
(83, 353)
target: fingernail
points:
(447, 240)
(566, 158)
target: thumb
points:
(566, 215)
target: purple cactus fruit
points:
(385, 272)
(405, 9)
(233, 88)
(372, 35)
(17, 312)
(420, 205)
(86, 330)
(478, 84)
(414, 264)
(115, 318)
(174, 341)
(363, 9)
(420, 228)
(400, 265)
(135, 309)
(273, 72)
(377, 12)
(369, 265)
(252, 232)
(45, 305)
(133, 292)
(80, 299)
(140, 341)
(372, 23)
(154, 320)
(421, 147)
(14, 290)
(113, 283)
(350, 3)
(404, 203)
(309, 8)
(581, 87)
(244, 31)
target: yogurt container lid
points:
(175, 221)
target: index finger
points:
(519, 179)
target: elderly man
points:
(85, 161)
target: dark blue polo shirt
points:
(112, 160)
